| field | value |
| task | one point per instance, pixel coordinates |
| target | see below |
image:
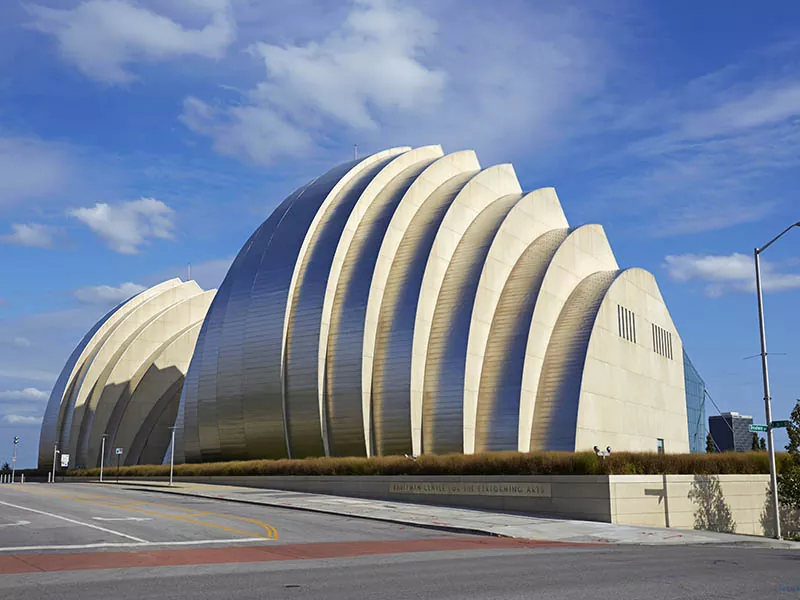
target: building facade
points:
(410, 301)
(413, 301)
(731, 432)
(123, 381)
(695, 406)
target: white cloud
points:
(726, 273)
(25, 394)
(389, 74)
(706, 155)
(21, 342)
(30, 168)
(127, 226)
(102, 37)
(33, 235)
(107, 294)
(22, 420)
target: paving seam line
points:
(448, 528)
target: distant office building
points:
(695, 405)
(731, 431)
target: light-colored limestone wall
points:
(632, 395)
(730, 503)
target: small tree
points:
(710, 446)
(754, 444)
(6, 467)
(789, 479)
(762, 444)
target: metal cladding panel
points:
(229, 353)
(49, 433)
(301, 389)
(344, 361)
(443, 393)
(557, 400)
(497, 422)
(391, 387)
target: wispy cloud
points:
(728, 273)
(29, 393)
(107, 294)
(393, 73)
(21, 342)
(102, 37)
(127, 226)
(705, 156)
(22, 420)
(30, 168)
(33, 235)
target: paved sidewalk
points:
(460, 519)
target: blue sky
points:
(139, 136)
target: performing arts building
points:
(410, 301)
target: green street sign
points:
(758, 428)
(780, 424)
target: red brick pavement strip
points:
(35, 563)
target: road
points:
(85, 541)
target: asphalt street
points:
(86, 541)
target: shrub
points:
(492, 463)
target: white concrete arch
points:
(300, 367)
(110, 389)
(536, 213)
(156, 377)
(107, 354)
(585, 251)
(632, 391)
(558, 396)
(486, 187)
(347, 289)
(452, 170)
(67, 386)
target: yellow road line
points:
(272, 533)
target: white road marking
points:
(121, 519)
(15, 524)
(133, 544)
(47, 514)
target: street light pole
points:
(773, 477)
(172, 456)
(14, 459)
(102, 455)
(55, 455)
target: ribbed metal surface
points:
(404, 302)
(301, 390)
(555, 414)
(391, 385)
(443, 394)
(343, 396)
(501, 377)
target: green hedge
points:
(493, 463)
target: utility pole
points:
(14, 459)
